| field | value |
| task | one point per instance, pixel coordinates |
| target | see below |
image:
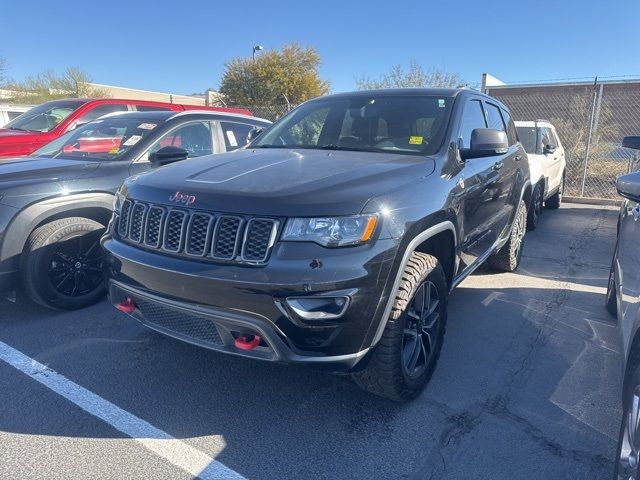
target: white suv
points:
(546, 163)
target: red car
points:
(48, 121)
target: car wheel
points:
(611, 300)
(535, 209)
(404, 359)
(555, 200)
(62, 264)
(508, 257)
(628, 452)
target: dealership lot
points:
(527, 387)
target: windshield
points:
(45, 117)
(106, 139)
(527, 136)
(408, 124)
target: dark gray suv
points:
(333, 239)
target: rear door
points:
(550, 161)
(557, 160)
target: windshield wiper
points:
(332, 146)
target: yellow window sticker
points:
(114, 151)
(415, 140)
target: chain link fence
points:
(591, 120)
(268, 112)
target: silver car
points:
(623, 301)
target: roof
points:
(165, 115)
(442, 92)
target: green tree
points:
(415, 76)
(288, 76)
(46, 86)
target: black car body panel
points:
(470, 204)
(34, 190)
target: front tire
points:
(404, 359)
(508, 257)
(62, 264)
(628, 451)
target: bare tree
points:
(49, 85)
(415, 76)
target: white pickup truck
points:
(8, 112)
(547, 165)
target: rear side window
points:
(528, 137)
(512, 135)
(99, 111)
(235, 134)
(494, 119)
(472, 118)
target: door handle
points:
(518, 158)
(498, 165)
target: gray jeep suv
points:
(333, 239)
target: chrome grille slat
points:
(225, 237)
(153, 227)
(123, 223)
(198, 232)
(136, 222)
(206, 235)
(174, 230)
(259, 236)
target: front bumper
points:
(212, 304)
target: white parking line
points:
(153, 439)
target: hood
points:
(281, 182)
(20, 173)
(8, 136)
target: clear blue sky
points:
(181, 47)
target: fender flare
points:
(432, 231)
(26, 220)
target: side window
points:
(194, 137)
(151, 108)
(494, 119)
(472, 117)
(99, 111)
(512, 133)
(235, 134)
(545, 138)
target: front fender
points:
(24, 222)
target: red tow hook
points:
(247, 342)
(126, 306)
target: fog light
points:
(318, 308)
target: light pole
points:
(257, 48)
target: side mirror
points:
(548, 149)
(629, 185)
(631, 142)
(486, 142)
(167, 155)
(254, 133)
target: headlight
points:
(118, 199)
(331, 231)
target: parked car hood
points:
(17, 174)
(281, 181)
(12, 136)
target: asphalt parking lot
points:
(527, 388)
